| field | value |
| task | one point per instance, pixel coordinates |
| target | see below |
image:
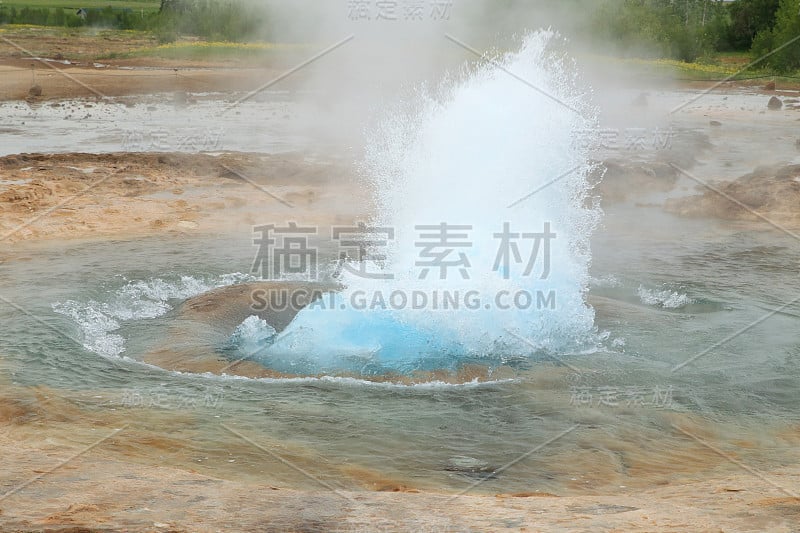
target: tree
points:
(781, 42)
(748, 18)
(682, 29)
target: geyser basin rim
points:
(346, 381)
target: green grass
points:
(33, 30)
(147, 5)
(729, 68)
(722, 67)
(205, 50)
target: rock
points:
(462, 463)
(772, 192)
(35, 91)
(774, 103)
(201, 321)
(715, 123)
(770, 86)
(471, 467)
(228, 306)
(624, 180)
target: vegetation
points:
(779, 44)
(747, 19)
(687, 30)
(208, 50)
(704, 32)
(692, 30)
(168, 20)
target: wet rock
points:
(772, 192)
(218, 312)
(35, 91)
(228, 306)
(715, 123)
(774, 103)
(470, 466)
(620, 180)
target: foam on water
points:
(664, 298)
(472, 155)
(346, 381)
(252, 335)
(136, 300)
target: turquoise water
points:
(452, 173)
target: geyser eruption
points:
(480, 237)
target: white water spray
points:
(498, 155)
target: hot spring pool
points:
(619, 404)
(672, 339)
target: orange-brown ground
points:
(140, 479)
(90, 196)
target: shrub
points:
(781, 44)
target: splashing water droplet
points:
(499, 155)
